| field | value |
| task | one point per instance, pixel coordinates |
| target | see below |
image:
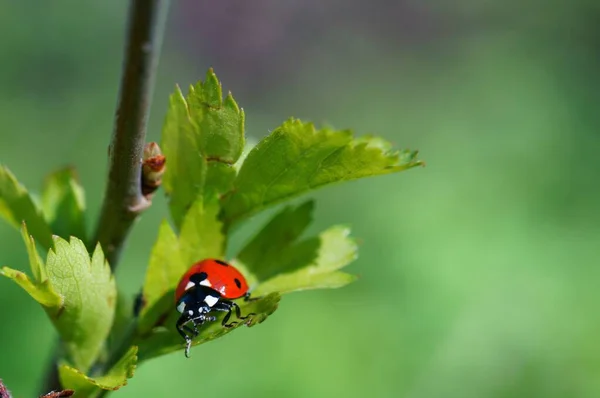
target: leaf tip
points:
(178, 93)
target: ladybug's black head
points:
(197, 301)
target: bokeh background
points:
(478, 273)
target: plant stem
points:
(123, 199)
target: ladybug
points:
(208, 286)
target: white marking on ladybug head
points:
(206, 283)
(189, 285)
(211, 300)
(190, 312)
(181, 307)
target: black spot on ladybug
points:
(238, 283)
(223, 263)
(199, 277)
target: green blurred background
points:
(478, 273)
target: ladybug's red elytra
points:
(208, 286)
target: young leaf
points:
(63, 204)
(114, 379)
(165, 339)
(186, 163)
(16, 206)
(164, 270)
(219, 178)
(40, 292)
(199, 130)
(89, 293)
(40, 288)
(336, 250)
(220, 124)
(277, 261)
(201, 233)
(78, 294)
(35, 261)
(270, 251)
(308, 278)
(296, 158)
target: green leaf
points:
(278, 261)
(17, 206)
(89, 293)
(296, 158)
(309, 278)
(201, 233)
(63, 204)
(79, 295)
(114, 379)
(336, 250)
(164, 271)
(219, 178)
(40, 292)
(275, 248)
(220, 124)
(200, 130)
(275, 260)
(39, 289)
(35, 261)
(186, 167)
(165, 339)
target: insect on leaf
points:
(165, 339)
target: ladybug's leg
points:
(199, 321)
(225, 306)
(187, 332)
(248, 298)
(182, 328)
(238, 312)
(229, 306)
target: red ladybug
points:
(208, 286)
